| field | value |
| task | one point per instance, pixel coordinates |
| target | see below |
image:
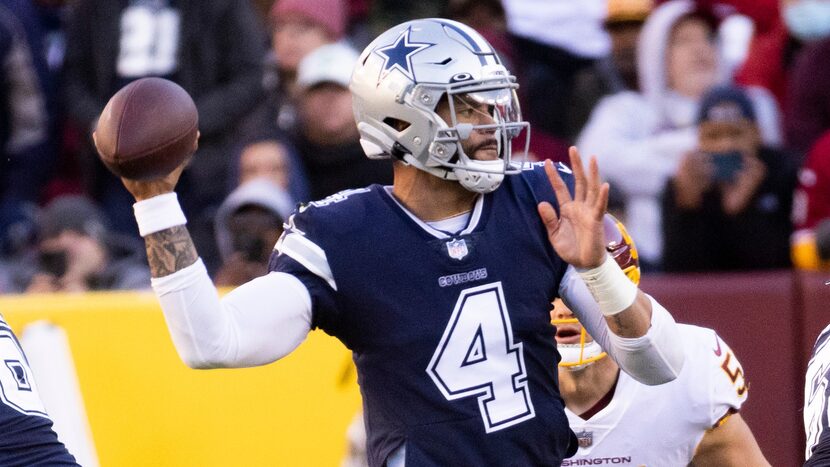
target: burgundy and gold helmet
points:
(621, 247)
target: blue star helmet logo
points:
(398, 55)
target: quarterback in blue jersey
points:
(441, 283)
(26, 435)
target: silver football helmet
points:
(401, 77)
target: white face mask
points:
(808, 20)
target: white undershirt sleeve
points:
(655, 358)
(257, 323)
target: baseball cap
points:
(725, 104)
(623, 11)
(331, 14)
(330, 63)
(74, 213)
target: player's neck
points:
(429, 197)
(582, 389)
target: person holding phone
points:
(728, 205)
(77, 252)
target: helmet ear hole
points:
(397, 124)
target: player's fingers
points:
(593, 182)
(559, 188)
(549, 217)
(601, 205)
(579, 173)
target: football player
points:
(27, 436)
(441, 283)
(692, 420)
(816, 397)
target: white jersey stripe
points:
(307, 253)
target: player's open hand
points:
(577, 233)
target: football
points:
(147, 129)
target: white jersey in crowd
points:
(662, 425)
(816, 391)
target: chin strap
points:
(480, 181)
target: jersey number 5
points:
(478, 357)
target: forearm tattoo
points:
(169, 251)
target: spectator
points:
(808, 112)
(618, 71)
(26, 110)
(554, 40)
(212, 48)
(275, 158)
(624, 21)
(248, 224)
(76, 252)
(728, 205)
(782, 29)
(328, 141)
(811, 208)
(639, 137)
(299, 27)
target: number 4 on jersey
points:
(477, 357)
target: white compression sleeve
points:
(257, 323)
(654, 358)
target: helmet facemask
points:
(487, 106)
(578, 356)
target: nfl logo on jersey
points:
(586, 438)
(457, 249)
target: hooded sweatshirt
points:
(639, 138)
(259, 192)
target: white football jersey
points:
(662, 425)
(816, 391)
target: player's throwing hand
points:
(577, 233)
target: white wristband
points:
(610, 287)
(158, 213)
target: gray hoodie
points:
(259, 192)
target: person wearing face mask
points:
(808, 107)
(783, 29)
(639, 137)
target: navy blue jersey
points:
(450, 332)
(26, 435)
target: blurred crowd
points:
(711, 120)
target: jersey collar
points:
(475, 217)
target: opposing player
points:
(439, 284)
(692, 420)
(27, 435)
(816, 398)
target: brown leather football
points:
(148, 128)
